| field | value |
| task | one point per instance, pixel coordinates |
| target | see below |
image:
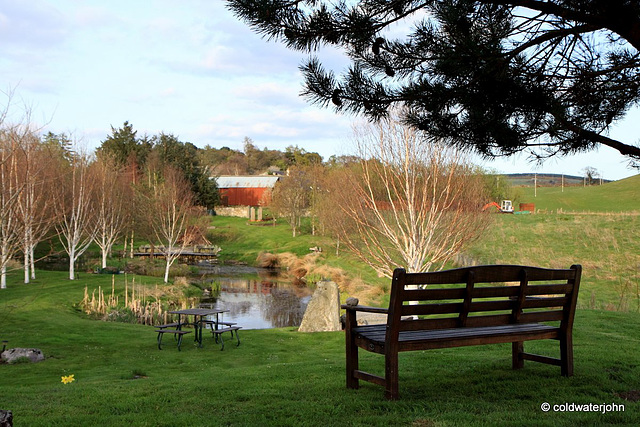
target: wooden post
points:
(352, 350)
(517, 361)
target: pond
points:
(255, 298)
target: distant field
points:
(528, 179)
(616, 196)
(607, 246)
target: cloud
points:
(276, 128)
(33, 24)
(272, 92)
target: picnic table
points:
(199, 319)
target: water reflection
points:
(258, 302)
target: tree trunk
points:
(166, 271)
(3, 278)
(131, 246)
(26, 255)
(104, 258)
(27, 263)
(32, 262)
(72, 267)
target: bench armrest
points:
(365, 308)
(351, 318)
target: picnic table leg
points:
(215, 326)
(160, 340)
(179, 342)
(200, 333)
(179, 327)
(221, 341)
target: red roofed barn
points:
(246, 190)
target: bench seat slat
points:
(377, 333)
(170, 325)
(229, 329)
(172, 331)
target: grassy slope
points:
(280, 377)
(617, 196)
(607, 246)
(241, 241)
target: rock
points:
(6, 418)
(323, 311)
(363, 318)
(351, 301)
(14, 354)
(371, 318)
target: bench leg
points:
(160, 340)
(517, 361)
(351, 359)
(566, 356)
(179, 341)
(391, 375)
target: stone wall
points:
(237, 211)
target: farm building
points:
(246, 190)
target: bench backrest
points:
(487, 295)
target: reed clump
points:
(139, 303)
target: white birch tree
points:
(35, 212)
(109, 200)
(168, 202)
(73, 203)
(409, 203)
(10, 189)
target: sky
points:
(193, 70)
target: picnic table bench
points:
(166, 329)
(217, 331)
(479, 306)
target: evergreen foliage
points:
(499, 77)
(127, 149)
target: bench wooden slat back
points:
(482, 296)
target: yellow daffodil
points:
(68, 379)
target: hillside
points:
(544, 179)
(615, 196)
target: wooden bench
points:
(479, 306)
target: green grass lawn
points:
(282, 377)
(243, 241)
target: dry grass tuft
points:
(267, 260)
(308, 266)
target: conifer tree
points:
(497, 76)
